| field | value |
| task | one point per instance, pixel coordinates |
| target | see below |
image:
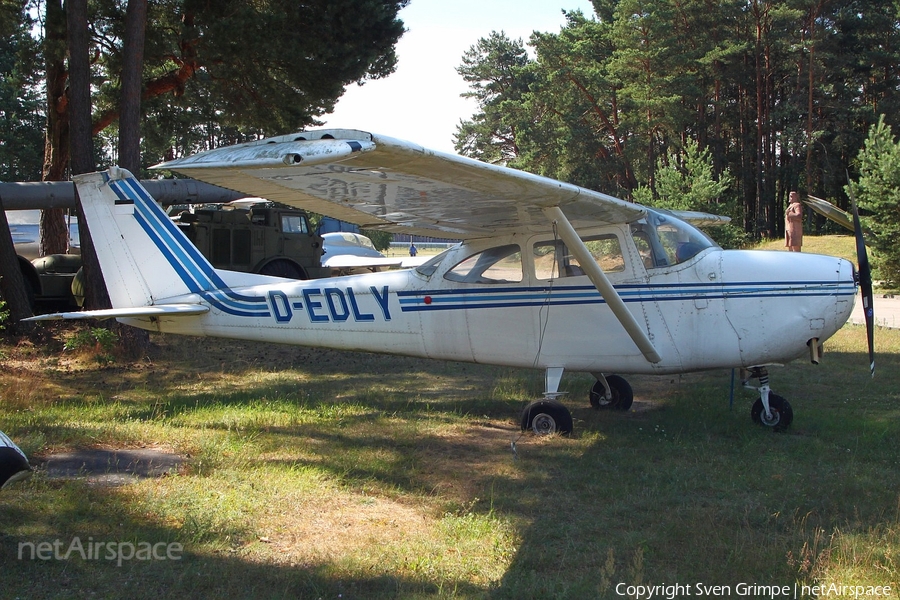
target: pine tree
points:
(878, 192)
(494, 68)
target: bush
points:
(98, 340)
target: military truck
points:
(263, 239)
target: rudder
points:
(143, 255)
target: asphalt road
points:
(887, 312)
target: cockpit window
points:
(663, 240)
(502, 264)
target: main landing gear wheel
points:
(544, 417)
(622, 395)
(782, 413)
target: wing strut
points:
(602, 283)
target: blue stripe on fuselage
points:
(192, 267)
(456, 299)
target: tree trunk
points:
(130, 101)
(136, 341)
(82, 143)
(12, 284)
(54, 233)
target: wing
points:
(701, 219)
(379, 182)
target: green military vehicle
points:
(262, 239)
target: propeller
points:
(865, 280)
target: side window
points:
(663, 240)
(546, 259)
(553, 259)
(653, 254)
(502, 264)
(642, 242)
(606, 252)
(294, 224)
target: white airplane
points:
(349, 253)
(548, 275)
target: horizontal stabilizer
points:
(349, 261)
(171, 310)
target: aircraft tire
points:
(545, 417)
(13, 463)
(622, 394)
(782, 413)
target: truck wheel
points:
(283, 268)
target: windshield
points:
(663, 239)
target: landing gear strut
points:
(548, 415)
(770, 410)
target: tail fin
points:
(143, 255)
(146, 259)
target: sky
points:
(420, 102)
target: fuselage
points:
(523, 301)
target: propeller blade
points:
(865, 282)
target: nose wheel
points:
(780, 412)
(769, 410)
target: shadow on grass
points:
(682, 492)
(175, 573)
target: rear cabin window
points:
(502, 264)
(553, 259)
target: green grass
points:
(843, 246)
(319, 474)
